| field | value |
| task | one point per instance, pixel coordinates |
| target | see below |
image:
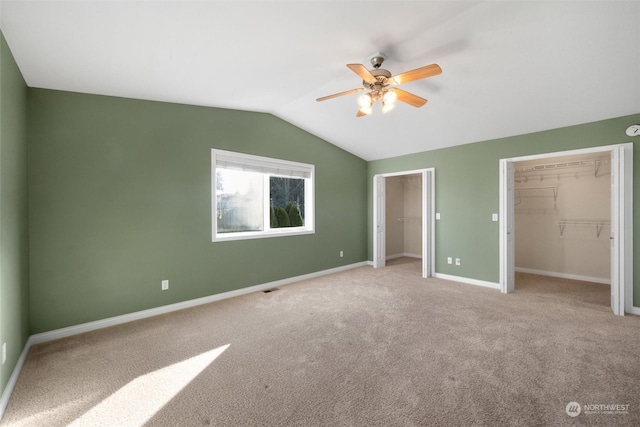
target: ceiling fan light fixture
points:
(387, 106)
(389, 97)
(365, 101)
(389, 101)
(366, 110)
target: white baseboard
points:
(404, 254)
(13, 379)
(410, 255)
(476, 282)
(634, 310)
(125, 318)
(602, 280)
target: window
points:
(256, 197)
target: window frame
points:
(271, 167)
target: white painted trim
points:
(404, 254)
(505, 230)
(379, 219)
(628, 237)
(617, 235)
(13, 379)
(267, 165)
(576, 152)
(408, 255)
(634, 310)
(428, 218)
(602, 280)
(467, 280)
(429, 222)
(401, 173)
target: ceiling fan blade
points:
(418, 73)
(360, 114)
(335, 95)
(362, 71)
(409, 98)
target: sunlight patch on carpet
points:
(138, 401)
(44, 417)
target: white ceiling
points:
(509, 68)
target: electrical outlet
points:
(494, 217)
(341, 254)
(4, 352)
(449, 260)
(457, 261)
(165, 285)
(437, 215)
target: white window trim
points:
(274, 167)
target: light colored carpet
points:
(366, 347)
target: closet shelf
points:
(599, 225)
(552, 188)
(596, 163)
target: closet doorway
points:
(562, 224)
(568, 215)
(403, 217)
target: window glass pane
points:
(287, 201)
(240, 200)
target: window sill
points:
(224, 237)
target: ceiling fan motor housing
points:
(382, 79)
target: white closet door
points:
(507, 238)
(379, 256)
(622, 231)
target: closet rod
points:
(596, 163)
(598, 224)
(543, 187)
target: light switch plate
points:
(437, 215)
(494, 217)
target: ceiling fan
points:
(377, 82)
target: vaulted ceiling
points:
(509, 68)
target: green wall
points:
(120, 198)
(467, 191)
(14, 239)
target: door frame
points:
(428, 218)
(621, 221)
